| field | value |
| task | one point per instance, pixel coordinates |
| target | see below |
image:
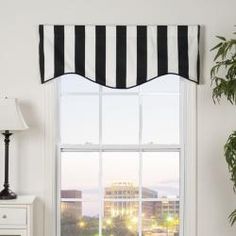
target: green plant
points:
(223, 75)
(230, 155)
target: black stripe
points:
(162, 50)
(183, 51)
(59, 57)
(121, 56)
(198, 57)
(41, 52)
(101, 54)
(80, 50)
(141, 54)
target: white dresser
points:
(16, 216)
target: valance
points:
(119, 56)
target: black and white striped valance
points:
(119, 56)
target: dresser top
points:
(21, 200)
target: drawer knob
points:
(4, 216)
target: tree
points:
(120, 226)
(85, 226)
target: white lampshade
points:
(10, 115)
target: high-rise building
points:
(71, 208)
(123, 191)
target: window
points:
(121, 158)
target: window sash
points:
(140, 94)
(140, 199)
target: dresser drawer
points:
(12, 216)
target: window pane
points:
(79, 119)
(160, 217)
(120, 119)
(120, 218)
(120, 175)
(161, 173)
(79, 173)
(79, 218)
(164, 84)
(77, 84)
(161, 119)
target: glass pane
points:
(79, 175)
(161, 119)
(77, 84)
(120, 119)
(164, 84)
(120, 175)
(161, 173)
(160, 218)
(79, 218)
(79, 119)
(120, 218)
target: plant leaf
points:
(232, 217)
(221, 38)
(217, 46)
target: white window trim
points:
(51, 150)
(50, 144)
(190, 152)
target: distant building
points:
(166, 206)
(127, 190)
(71, 208)
(163, 208)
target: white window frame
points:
(188, 158)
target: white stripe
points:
(131, 78)
(111, 56)
(69, 48)
(90, 52)
(173, 58)
(151, 52)
(193, 51)
(48, 52)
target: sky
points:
(120, 115)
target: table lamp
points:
(11, 120)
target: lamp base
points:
(7, 194)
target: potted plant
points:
(223, 75)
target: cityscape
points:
(121, 211)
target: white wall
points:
(19, 77)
